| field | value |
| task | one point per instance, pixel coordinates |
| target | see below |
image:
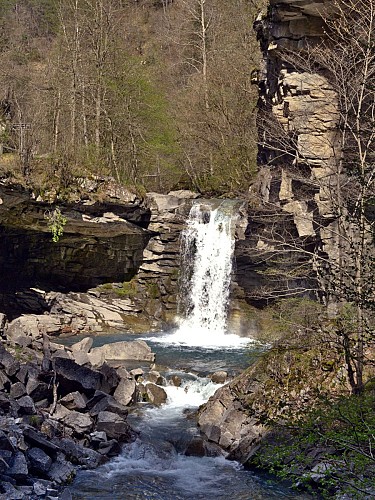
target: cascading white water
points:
(210, 234)
(207, 252)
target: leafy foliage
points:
(56, 222)
(331, 449)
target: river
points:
(158, 464)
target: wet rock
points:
(155, 394)
(125, 392)
(40, 462)
(219, 377)
(61, 470)
(114, 426)
(196, 447)
(109, 448)
(176, 380)
(155, 377)
(79, 454)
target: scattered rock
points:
(219, 377)
(155, 394)
(74, 401)
(125, 392)
(40, 462)
(114, 426)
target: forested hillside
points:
(156, 93)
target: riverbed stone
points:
(126, 391)
(114, 426)
(219, 377)
(155, 394)
(136, 350)
(61, 470)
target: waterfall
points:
(207, 251)
(207, 247)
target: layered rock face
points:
(299, 149)
(101, 242)
(116, 265)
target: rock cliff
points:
(291, 200)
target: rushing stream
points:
(156, 465)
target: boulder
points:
(8, 362)
(104, 402)
(18, 469)
(109, 448)
(74, 401)
(83, 345)
(38, 390)
(111, 378)
(155, 377)
(40, 462)
(5, 383)
(155, 394)
(195, 448)
(81, 358)
(73, 377)
(136, 350)
(79, 454)
(219, 377)
(136, 373)
(114, 426)
(5, 443)
(26, 406)
(17, 390)
(79, 422)
(176, 380)
(61, 470)
(125, 392)
(36, 438)
(10, 492)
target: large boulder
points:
(73, 377)
(155, 394)
(136, 350)
(125, 392)
(114, 426)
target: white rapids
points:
(207, 254)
